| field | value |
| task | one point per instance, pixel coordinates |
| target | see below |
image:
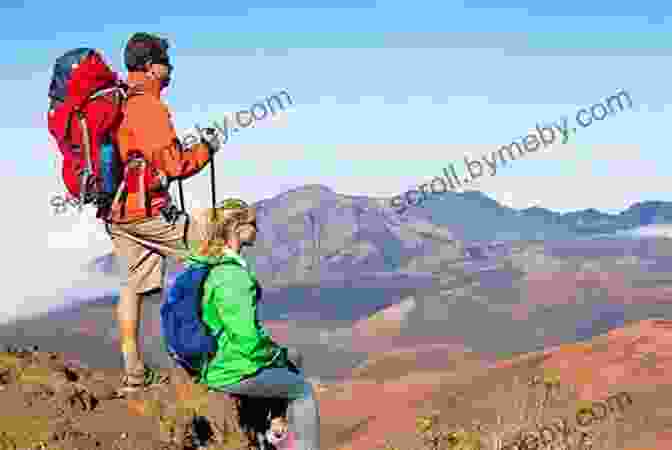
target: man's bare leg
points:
(129, 308)
(129, 311)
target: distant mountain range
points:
(312, 233)
(474, 216)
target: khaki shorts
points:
(146, 260)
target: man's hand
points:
(212, 139)
(189, 139)
(195, 135)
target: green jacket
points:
(230, 296)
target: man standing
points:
(143, 223)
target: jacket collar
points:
(149, 85)
(195, 258)
(236, 256)
(228, 253)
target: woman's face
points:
(248, 233)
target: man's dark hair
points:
(142, 48)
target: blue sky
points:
(385, 95)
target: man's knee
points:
(128, 294)
(135, 294)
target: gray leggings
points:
(303, 412)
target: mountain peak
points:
(313, 188)
(482, 199)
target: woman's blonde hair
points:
(221, 224)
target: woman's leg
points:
(304, 416)
(303, 411)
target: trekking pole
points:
(180, 188)
(181, 192)
(212, 172)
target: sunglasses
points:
(163, 61)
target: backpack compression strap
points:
(120, 96)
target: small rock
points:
(124, 435)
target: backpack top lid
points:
(78, 74)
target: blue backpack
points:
(186, 337)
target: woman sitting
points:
(248, 362)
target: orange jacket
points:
(147, 129)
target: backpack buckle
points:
(101, 200)
(171, 213)
(84, 183)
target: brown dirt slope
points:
(48, 403)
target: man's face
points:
(162, 71)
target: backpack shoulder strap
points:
(205, 277)
(211, 267)
(219, 333)
(133, 90)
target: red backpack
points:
(86, 100)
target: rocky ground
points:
(50, 403)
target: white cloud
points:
(84, 234)
(660, 230)
(46, 252)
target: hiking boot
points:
(201, 432)
(136, 382)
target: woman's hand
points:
(292, 367)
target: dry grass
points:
(541, 408)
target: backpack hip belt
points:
(138, 164)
